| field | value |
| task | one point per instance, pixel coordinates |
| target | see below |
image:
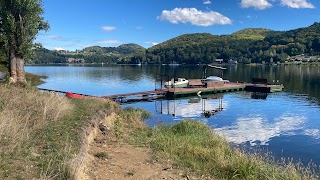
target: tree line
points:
(92, 54)
(246, 46)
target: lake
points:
(287, 123)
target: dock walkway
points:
(195, 90)
(138, 96)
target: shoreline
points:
(223, 64)
(189, 148)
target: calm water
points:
(286, 124)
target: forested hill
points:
(92, 54)
(252, 33)
(254, 45)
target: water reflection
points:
(315, 133)
(258, 130)
(284, 123)
(191, 107)
(259, 95)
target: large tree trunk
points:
(16, 68)
(13, 67)
(20, 69)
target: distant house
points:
(75, 60)
(219, 61)
(306, 59)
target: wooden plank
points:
(195, 82)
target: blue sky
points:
(76, 24)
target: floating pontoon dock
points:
(196, 89)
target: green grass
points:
(34, 80)
(60, 141)
(193, 146)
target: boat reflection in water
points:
(259, 95)
(198, 107)
(203, 106)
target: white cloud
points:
(152, 43)
(207, 2)
(108, 28)
(59, 49)
(297, 4)
(48, 36)
(51, 36)
(109, 42)
(258, 4)
(193, 16)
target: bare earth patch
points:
(108, 158)
(127, 162)
(113, 160)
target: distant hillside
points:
(92, 54)
(120, 50)
(185, 40)
(252, 33)
(253, 45)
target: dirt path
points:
(114, 161)
(107, 159)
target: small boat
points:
(214, 79)
(177, 83)
(73, 95)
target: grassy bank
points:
(40, 132)
(193, 146)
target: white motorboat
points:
(214, 79)
(177, 83)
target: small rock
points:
(103, 128)
(99, 141)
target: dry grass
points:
(41, 132)
(24, 111)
